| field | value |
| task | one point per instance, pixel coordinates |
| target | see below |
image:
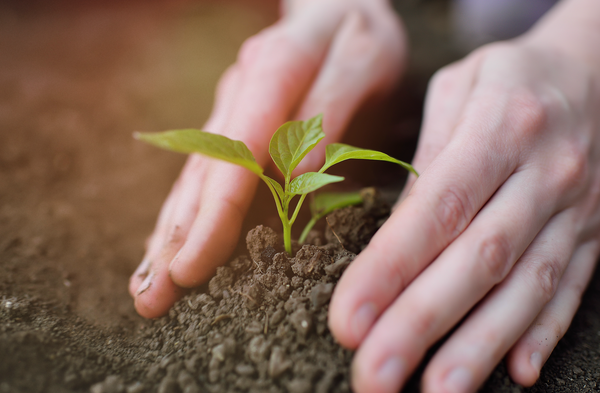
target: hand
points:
(501, 228)
(322, 57)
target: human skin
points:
(503, 222)
(295, 69)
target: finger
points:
(152, 243)
(445, 101)
(274, 73)
(359, 55)
(175, 205)
(473, 351)
(482, 256)
(173, 226)
(533, 349)
(276, 67)
(218, 223)
(438, 208)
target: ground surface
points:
(78, 196)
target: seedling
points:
(288, 146)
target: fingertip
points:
(373, 373)
(350, 319)
(139, 276)
(157, 295)
(134, 283)
(524, 366)
(189, 274)
(211, 241)
(337, 322)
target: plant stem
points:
(287, 237)
(275, 195)
(297, 210)
(287, 225)
(307, 228)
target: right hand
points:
(323, 56)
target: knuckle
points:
(444, 81)
(578, 289)
(573, 169)
(494, 253)
(226, 81)
(528, 113)
(395, 274)
(552, 327)
(423, 321)
(545, 275)
(250, 50)
(175, 236)
(274, 55)
(262, 48)
(453, 210)
(233, 206)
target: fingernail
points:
(536, 361)
(142, 270)
(391, 373)
(175, 260)
(363, 320)
(145, 284)
(459, 380)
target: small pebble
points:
(136, 387)
(187, 383)
(165, 361)
(278, 364)
(245, 370)
(218, 352)
(258, 349)
(298, 385)
(301, 319)
(277, 317)
(254, 327)
(213, 376)
(168, 385)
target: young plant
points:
(288, 146)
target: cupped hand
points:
(499, 235)
(321, 57)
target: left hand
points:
(501, 228)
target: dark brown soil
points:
(78, 197)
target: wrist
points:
(573, 29)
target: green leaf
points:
(275, 185)
(212, 145)
(311, 181)
(338, 152)
(326, 202)
(292, 142)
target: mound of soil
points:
(260, 325)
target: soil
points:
(78, 197)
